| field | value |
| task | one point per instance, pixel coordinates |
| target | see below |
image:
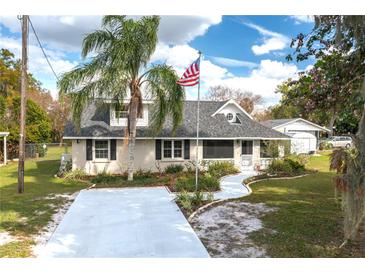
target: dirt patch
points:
(46, 234)
(225, 228)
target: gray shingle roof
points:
(96, 123)
(276, 122)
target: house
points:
(305, 134)
(227, 132)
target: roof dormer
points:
(230, 109)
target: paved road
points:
(124, 223)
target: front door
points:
(246, 155)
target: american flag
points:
(191, 75)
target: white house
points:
(227, 133)
(305, 134)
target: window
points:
(177, 149)
(247, 147)
(167, 148)
(172, 149)
(230, 116)
(101, 149)
(121, 111)
(215, 149)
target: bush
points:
(76, 174)
(221, 168)
(190, 201)
(174, 169)
(104, 178)
(185, 183)
(206, 182)
(143, 174)
(301, 158)
(285, 166)
(325, 145)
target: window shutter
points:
(187, 149)
(158, 149)
(113, 149)
(89, 150)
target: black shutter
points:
(158, 149)
(89, 150)
(187, 149)
(113, 149)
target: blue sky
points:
(245, 52)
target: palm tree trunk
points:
(133, 112)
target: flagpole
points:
(197, 132)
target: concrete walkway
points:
(232, 186)
(124, 223)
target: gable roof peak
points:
(232, 101)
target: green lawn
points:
(25, 215)
(308, 219)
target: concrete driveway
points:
(124, 223)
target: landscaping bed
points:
(175, 177)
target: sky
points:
(241, 52)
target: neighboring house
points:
(227, 132)
(305, 134)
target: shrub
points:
(185, 183)
(143, 174)
(174, 169)
(325, 145)
(76, 174)
(184, 199)
(104, 177)
(285, 166)
(190, 201)
(206, 182)
(301, 158)
(221, 168)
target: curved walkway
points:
(232, 186)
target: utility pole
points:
(23, 89)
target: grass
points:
(308, 218)
(25, 215)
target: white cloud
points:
(37, 63)
(228, 62)
(262, 80)
(272, 41)
(275, 70)
(300, 19)
(183, 29)
(67, 32)
(62, 35)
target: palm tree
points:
(118, 68)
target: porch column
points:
(5, 151)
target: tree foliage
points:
(117, 68)
(247, 100)
(344, 36)
(38, 124)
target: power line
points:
(44, 53)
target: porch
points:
(246, 154)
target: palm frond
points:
(97, 41)
(168, 96)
